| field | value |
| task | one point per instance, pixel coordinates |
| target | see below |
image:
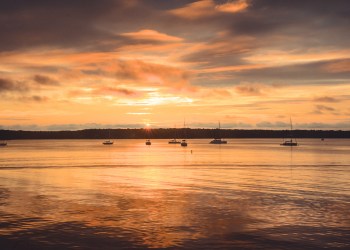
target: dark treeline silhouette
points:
(169, 133)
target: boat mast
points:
(291, 129)
(184, 128)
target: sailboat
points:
(174, 141)
(184, 142)
(218, 140)
(148, 134)
(290, 142)
(108, 142)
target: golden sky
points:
(103, 63)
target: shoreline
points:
(168, 133)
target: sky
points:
(250, 64)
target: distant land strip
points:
(168, 133)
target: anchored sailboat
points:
(218, 139)
(291, 142)
(108, 142)
(184, 142)
(174, 141)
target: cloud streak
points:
(45, 80)
(151, 35)
(7, 85)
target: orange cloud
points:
(215, 93)
(340, 66)
(325, 99)
(235, 68)
(8, 85)
(116, 91)
(150, 74)
(251, 89)
(151, 35)
(207, 8)
(196, 10)
(278, 57)
(233, 7)
(45, 80)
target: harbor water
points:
(247, 194)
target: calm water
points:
(248, 194)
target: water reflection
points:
(242, 196)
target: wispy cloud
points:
(45, 80)
(251, 89)
(233, 6)
(208, 8)
(151, 35)
(196, 10)
(34, 98)
(324, 108)
(151, 74)
(339, 66)
(325, 99)
(73, 126)
(7, 85)
(275, 125)
(115, 91)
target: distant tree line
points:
(168, 133)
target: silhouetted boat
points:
(108, 142)
(3, 143)
(218, 140)
(184, 142)
(148, 142)
(291, 142)
(174, 141)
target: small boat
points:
(218, 140)
(3, 143)
(108, 142)
(174, 141)
(148, 142)
(291, 142)
(184, 142)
